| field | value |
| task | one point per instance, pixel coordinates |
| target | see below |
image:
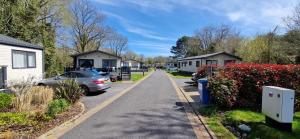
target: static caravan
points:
(19, 61)
(191, 64)
(133, 64)
(96, 59)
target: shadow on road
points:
(90, 94)
(149, 123)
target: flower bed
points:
(32, 110)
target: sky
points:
(153, 26)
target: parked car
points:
(89, 81)
(172, 69)
(112, 77)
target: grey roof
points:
(209, 55)
(99, 51)
(19, 43)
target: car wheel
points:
(41, 84)
(85, 89)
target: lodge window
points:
(23, 59)
(211, 62)
(197, 63)
(190, 63)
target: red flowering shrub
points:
(223, 91)
(205, 70)
(251, 77)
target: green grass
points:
(137, 76)
(177, 74)
(254, 119)
(261, 130)
(214, 123)
(213, 120)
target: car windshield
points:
(90, 73)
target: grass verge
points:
(138, 76)
(218, 121)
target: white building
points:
(19, 61)
(96, 59)
(191, 64)
(133, 64)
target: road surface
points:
(149, 110)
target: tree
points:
(218, 38)
(260, 50)
(293, 21)
(130, 55)
(117, 43)
(87, 25)
(34, 21)
(186, 46)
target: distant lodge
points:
(191, 64)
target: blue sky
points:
(153, 26)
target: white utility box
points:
(278, 103)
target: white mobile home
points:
(96, 59)
(191, 64)
(133, 64)
(19, 61)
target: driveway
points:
(147, 111)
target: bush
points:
(69, 90)
(57, 106)
(36, 97)
(5, 100)
(250, 79)
(10, 119)
(223, 91)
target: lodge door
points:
(2, 76)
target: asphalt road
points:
(95, 98)
(147, 111)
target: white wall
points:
(17, 75)
(220, 58)
(98, 57)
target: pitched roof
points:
(131, 60)
(89, 52)
(209, 55)
(19, 43)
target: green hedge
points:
(57, 106)
(5, 100)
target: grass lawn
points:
(137, 76)
(178, 74)
(254, 119)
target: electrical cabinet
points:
(278, 103)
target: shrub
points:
(69, 90)
(251, 78)
(10, 119)
(57, 106)
(5, 100)
(36, 97)
(223, 91)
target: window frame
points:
(197, 63)
(27, 59)
(190, 63)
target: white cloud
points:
(253, 13)
(137, 27)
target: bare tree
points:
(216, 37)
(117, 43)
(87, 25)
(293, 22)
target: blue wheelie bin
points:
(204, 93)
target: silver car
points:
(89, 81)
